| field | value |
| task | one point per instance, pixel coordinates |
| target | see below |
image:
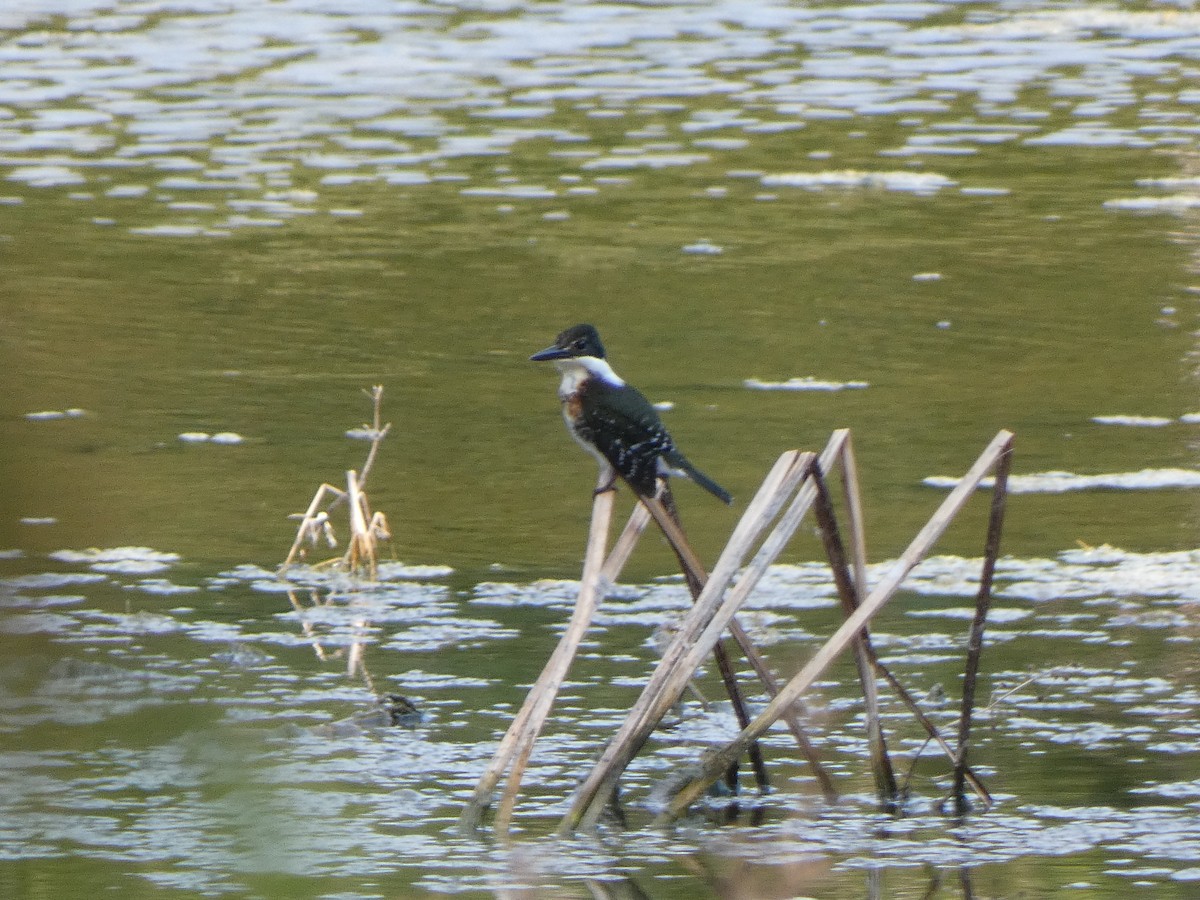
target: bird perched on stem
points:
(613, 421)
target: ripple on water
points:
(208, 117)
(122, 560)
(114, 91)
(366, 791)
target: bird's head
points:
(576, 342)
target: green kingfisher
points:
(613, 421)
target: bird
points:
(613, 420)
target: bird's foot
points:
(605, 485)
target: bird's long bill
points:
(549, 353)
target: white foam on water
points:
(646, 161)
(803, 383)
(912, 182)
(1060, 482)
(514, 191)
(1134, 421)
(46, 176)
(1175, 204)
(173, 231)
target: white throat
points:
(580, 368)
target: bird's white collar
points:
(579, 368)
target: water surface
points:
(950, 218)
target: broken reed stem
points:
(541, 697)
(716, 762)
(931, 730)
(853, 498)
(698, 631)
(983, 604)
(696, 578)
(590, 592)
(881, 763)
(378, 431)
(553, 673)
(309, 520)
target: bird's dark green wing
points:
(627, 431)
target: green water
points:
(266, 213)
(273, 333)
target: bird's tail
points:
(703, 480)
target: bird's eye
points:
(579, 344)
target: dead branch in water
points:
(794, 485)
(995, 456)
(367, 529)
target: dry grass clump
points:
(367, 529)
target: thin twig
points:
(1030, 680)
(983, 604)
(378, 432)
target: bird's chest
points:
(574, 392)
(571, 391)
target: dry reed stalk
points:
(685, 652)
(881, 764)
(696, 578)
(520, 735)
(590, 592)
(983, 602)
(367, 529)
(716, 762)
(931, 730)
(852, 497)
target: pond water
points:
(925, 221)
